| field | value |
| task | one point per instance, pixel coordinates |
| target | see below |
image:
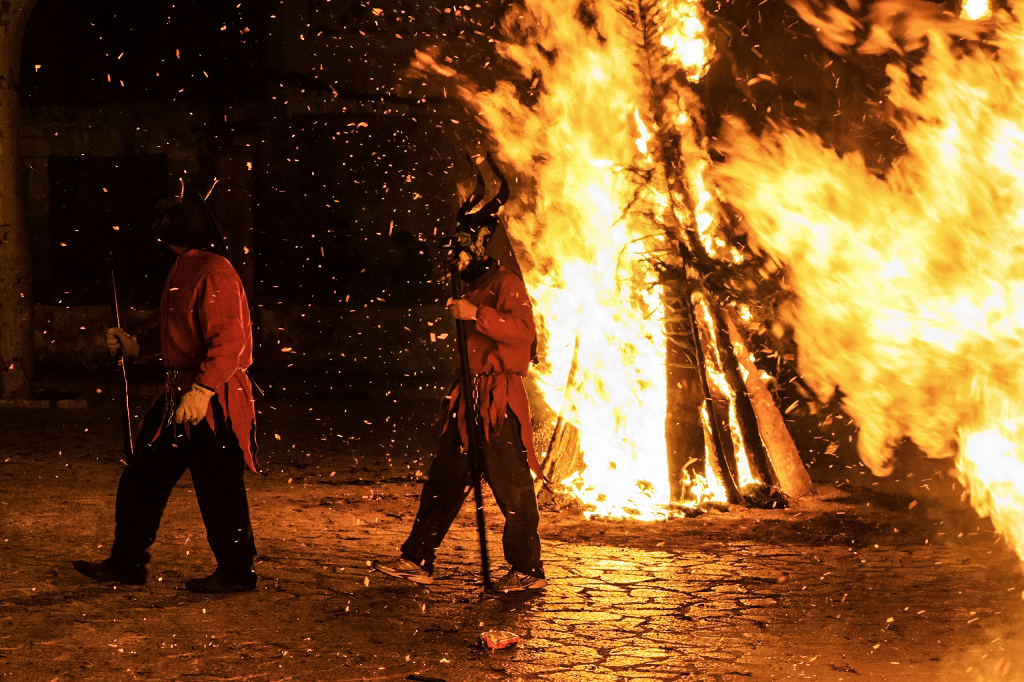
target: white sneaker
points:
(403, 568)
(514, 581)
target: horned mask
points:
(473, 230)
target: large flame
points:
(911, 285)
(596, 292)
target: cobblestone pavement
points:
(854, 582)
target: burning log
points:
(745, 416)
(621, 228)
(787, 469)
(564, 456)
(684, 429)
(723, 461)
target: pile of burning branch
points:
(645, 293)
(726, 440)
(603, 118)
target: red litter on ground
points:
(499, 639)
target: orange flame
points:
(911, 286)
(592, 280)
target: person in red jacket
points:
(205, 422)
(499, 335)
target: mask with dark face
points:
(187, 221)
(473, 230)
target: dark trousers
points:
(449, 482)
(218, 469)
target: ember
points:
(620, 214)
(908, 277)
(595, 283)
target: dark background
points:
(338, 171)
(344, 149)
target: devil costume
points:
(499, 342)
(500, 348)
(499, 354)
(206, 344)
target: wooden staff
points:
(126, 418)
(473, 424)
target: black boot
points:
(110, 571)
(223, 582)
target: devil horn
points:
(502, 196)
(478, 191)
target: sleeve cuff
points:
(205, 390)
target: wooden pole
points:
(476, 440)
(126, 415)
(756, 454)
(726, 472)
(787, 467)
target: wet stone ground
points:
(864, 579)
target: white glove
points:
(193, 405)
(121, 343)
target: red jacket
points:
(206, 335)
(499, 342)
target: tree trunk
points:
(684, 430)
(16, 352)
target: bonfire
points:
(683, 261)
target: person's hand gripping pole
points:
(461, 312)
(121, 344)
